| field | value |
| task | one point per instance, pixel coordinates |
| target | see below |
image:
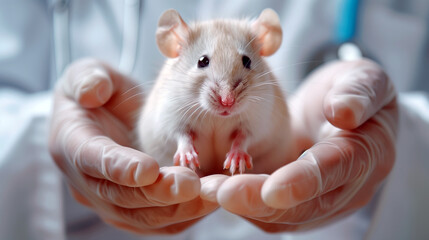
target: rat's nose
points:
(227, 100)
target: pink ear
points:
(171, 33)
(268, 32)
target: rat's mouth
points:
(228, 111)
(225, 113)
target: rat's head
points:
(220, 62)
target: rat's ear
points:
(171, 33)
(268, 32)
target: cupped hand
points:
(345, 120)
(95, 108)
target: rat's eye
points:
(203, 61)
(246, 61)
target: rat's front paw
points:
(237, 157)
(187, 157)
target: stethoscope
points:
(61, 35)
(343, 47)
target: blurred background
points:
(38, 38)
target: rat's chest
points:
(214, 136)
(213, 141)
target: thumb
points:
(357, 94)
(88, 82)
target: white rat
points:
(216, 104)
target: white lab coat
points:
(34, 202)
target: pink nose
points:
(227, 101)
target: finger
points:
(318, 210)
(93, 83)
(241, 194)
(324, 167)
(174, 185)
(306, 215)
(345, 157)
(159, 217)
(87, 82)
(88, 150)
(359, 91)
(210, 186)
(101, 157)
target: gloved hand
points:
(90, 141)
(346, 115)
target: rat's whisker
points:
(127, 99)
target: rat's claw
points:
(241, 166)
(226, 164)
(237, 158)
(192, 165)
(186, 157)
(183, 161)
(233, 166)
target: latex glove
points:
(90, 140)
(342, 168)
